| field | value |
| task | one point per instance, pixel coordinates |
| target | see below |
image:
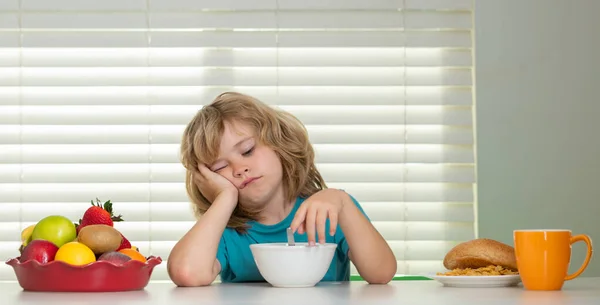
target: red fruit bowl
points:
(99, 276)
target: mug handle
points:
(588, 256)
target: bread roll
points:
(479, 253)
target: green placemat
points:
(396, 278)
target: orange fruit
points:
(133, 254)
(75, 253)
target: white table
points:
(580, 291)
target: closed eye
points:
(219, 168)
(248, 152)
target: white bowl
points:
(293, 266)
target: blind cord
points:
(20, 92)
(405, 139)
(149, 117)
(277, 51)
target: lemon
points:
(75, 253)
(26, 235)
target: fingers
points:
(197, 174)
(197, 177)
(203, 170)
(299, 219)
(200, 178)
(321, 221)
(311, 218)
(312, 221)
(202, 174)
(301, 229)
(333, 221)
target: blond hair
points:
(277, 129)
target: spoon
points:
(290, 237)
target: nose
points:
(240, 170)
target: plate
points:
(486, 281)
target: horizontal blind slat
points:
(422, 39)
(390, 230)
(419, 211)
(202, 20)
(339, 4)
(9, 40)
(282, 95)
(136, 173)
(248, 57)
(237, 20)
(375, 39)
(43, 192)
(212, 4)
(171, 134)
(9, 21)
(9, 57)
(173, 211)
(247, 76)
(304, 20)
(438, 20)
(181, 114)
(83, 5)
(9, 77)
(377, 4)
(309, 4)
(82, 21)
(83, 39)
(9, 5)
(167, 153)
(440, 4)
(172, 231)
(336, 20)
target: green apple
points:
(56, 229)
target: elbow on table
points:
(183, 276)
(384, 276)
(379, 280)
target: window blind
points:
(94, 97)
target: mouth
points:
(248, 181)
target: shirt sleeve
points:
(223, 258)
(340, 238)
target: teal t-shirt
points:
(237, 262)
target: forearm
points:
(370, 253)
(192, 259)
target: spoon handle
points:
(290, 237)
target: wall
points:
(538, 102)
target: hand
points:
(212, 184)
(314, 211)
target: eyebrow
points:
(242, 141)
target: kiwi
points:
(100, 238)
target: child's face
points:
(251, 166)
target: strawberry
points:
(125, 244)
(98, 214)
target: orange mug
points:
(543, 257)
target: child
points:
(251, 174)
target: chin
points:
(252, 201)
(251, 206)
(258, 194)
